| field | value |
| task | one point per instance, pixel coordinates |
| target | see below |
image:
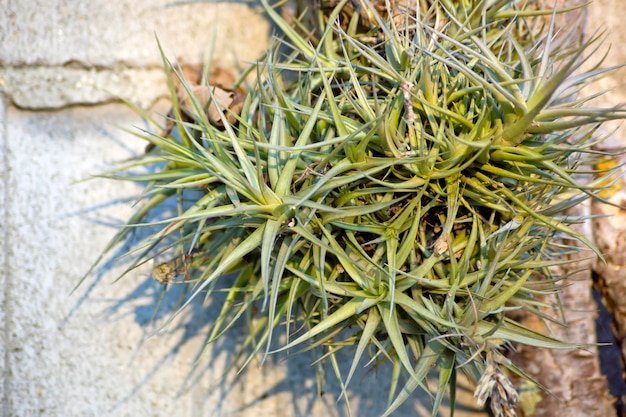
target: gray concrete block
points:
(102, 33)
(60, 362)
(59, 53)
(55, 87)
(5, 248)
(92, 352)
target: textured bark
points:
(577, 387)
(610, 232)
(610, 235)
(576, 384)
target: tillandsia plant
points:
(393, 182)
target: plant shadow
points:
(152, 305)
(290, 375)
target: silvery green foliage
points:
(394, 183)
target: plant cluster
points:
(395, 182)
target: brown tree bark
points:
(577, 387)
(610, 236)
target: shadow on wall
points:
(152, 306)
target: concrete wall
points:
(92, 352)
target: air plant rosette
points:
(393, 182)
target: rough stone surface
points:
(93, 352)
(101, 33)
(5, 249)
(56, 87)
(64, 52)
(74, 355)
